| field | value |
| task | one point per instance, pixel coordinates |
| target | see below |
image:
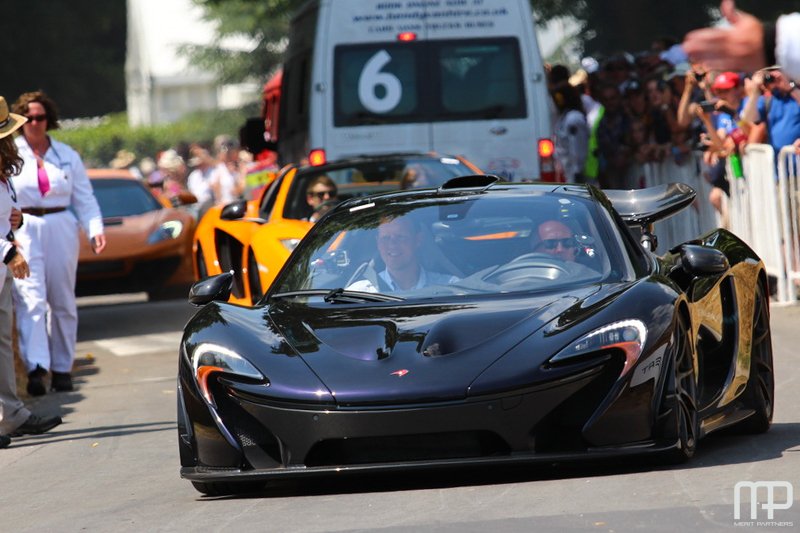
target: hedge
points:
(98, 140)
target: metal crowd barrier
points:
(763, 212)
(789, 202)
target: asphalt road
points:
(113, 465)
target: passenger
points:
(321, 195)
(557, 239)
(399, 243)
(415, 177)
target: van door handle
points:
(498, 130)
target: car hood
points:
(127, 236)
(414, 352)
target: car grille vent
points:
(229, 254)
(433, 446)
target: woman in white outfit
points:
(53, 178)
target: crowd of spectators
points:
(656, 106)
(213, 173)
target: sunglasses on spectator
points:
(321, 194)
(36, 118)
(552, 244)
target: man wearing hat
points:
(15, 418)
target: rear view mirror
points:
(234, 210)
(703, 261)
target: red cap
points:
(726, 80)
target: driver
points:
(320, 192)
(556, 239)
(399, 242)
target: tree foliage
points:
(264, 23)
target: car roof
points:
(499, 187)
(110, 173)
(360, 159)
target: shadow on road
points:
(127, 319)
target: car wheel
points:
(226, 489)
(679, 406)
(760, 392)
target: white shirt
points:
(199, 184)
(69, 184)
(6, 203)
(425, 279)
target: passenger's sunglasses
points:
(321, 194)
(36, 118)
(552, 244)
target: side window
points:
(269, 198)
(481, 79)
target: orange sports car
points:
(149, 244)
(254, 238)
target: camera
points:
(708, 106)
(769, 78)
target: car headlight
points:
(170, 229)
(290, 244)
(627, 335)
(210, 358)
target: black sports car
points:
(478, 322)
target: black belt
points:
(42, 211)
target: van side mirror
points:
(214, 288)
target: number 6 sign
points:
(372, 77)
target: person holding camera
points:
(778, 107)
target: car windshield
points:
(123, 198)
(370, 176)
(457, 245)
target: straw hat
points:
(9, 122)
(123, 159)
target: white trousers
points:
(50, 244)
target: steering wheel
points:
(529, 262)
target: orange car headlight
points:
(170, 229)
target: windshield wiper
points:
(340, 295)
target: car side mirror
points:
(186, 198)
(703, 261)
(214, 288)
(234, 210)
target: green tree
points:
(265, 23)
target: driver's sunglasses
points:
(322, 194)
(552, 244)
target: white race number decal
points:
(371, 78)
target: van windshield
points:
(428, 81)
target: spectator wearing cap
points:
(617, 70)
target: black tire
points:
(226, 489)
(679, 404)
(760, 392)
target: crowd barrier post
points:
(788, 190)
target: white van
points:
(461, 77)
